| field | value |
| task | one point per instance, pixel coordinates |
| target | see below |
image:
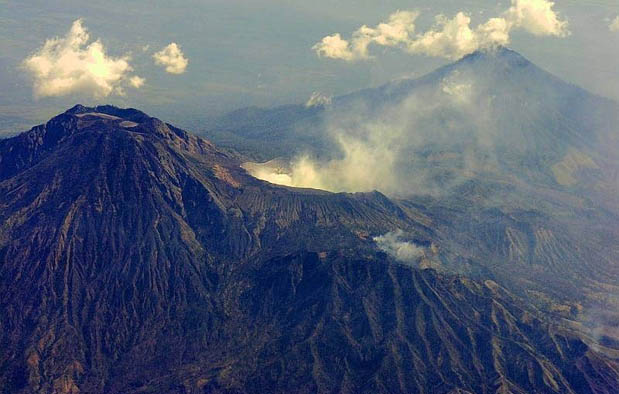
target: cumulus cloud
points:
(614, 25)
(396, 31)
(537, 17)
(69, 64)
(394, 244)
(334, 47)
(453, 38)
(172, 58)
(318, 99)
(136, 81)
(449, 38)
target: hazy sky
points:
(254, 52)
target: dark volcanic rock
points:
(516, 171)
(135, 257)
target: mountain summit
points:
(136, 257)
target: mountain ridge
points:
(135, 257)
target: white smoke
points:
(380, 151)
(172, 58)
(69, 64)
(448, 38)
(459, 90)
(367, 164)
(394, 245)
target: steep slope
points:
(305, 323)
(135, 257)
(109, 224)
(516, 169)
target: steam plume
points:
(394, 245)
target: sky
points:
(188, 61)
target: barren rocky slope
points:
(135, 257)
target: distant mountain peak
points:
(496, 51)
(130, 114)
(496, 56)
(112, 117)
(88, 123)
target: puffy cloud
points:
(68, 64)
(318, 99)
(537, 17)
(172, 58)
(334, 47)
(396, 31)
(394, 245)
(449, 38)
(614, 25)
(136, 81)
(494, 32)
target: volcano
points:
(136, 257)
(490, 116)
(516, 170)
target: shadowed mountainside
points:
(135, 257)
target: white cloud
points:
(68, 64)
(334, 47)
(394, 245)
(172, 58)
(614, 25)
(449, 38)
(537, 17)
(136, 81)
(396, 31)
